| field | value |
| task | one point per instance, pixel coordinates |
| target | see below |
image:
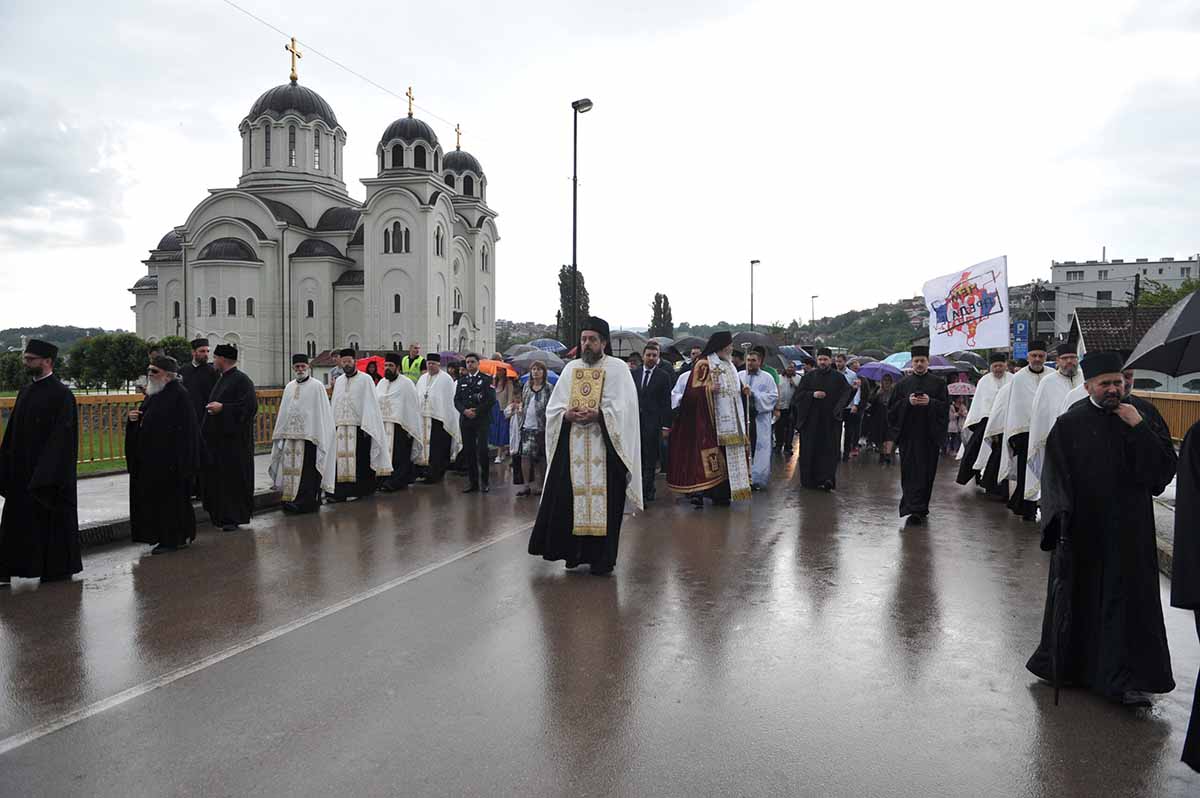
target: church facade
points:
(289, 262)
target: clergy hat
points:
(166, 363)
(299, 359)
(433, 357)
(1067, 349)
(1096, 363)
(919, 351)
(717, 341)
(40, 348)
(824, 352)
(596, 325)
(394, 357)
(347, 352)
(998, 357)
(228, 351)
(199, 342)
(1037, 346)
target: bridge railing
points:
(1179, 410)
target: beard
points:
(591, 356)
(154, 386)
(302, 377)
(391, 375)
(1069, 371)
(349, 370)
(1037, 370)
(33, 371)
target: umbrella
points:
(493, 366)
(519, 349)
(960, 389)
(937, 364)
(624, 343)
(662, 341)
(685, 344)
(1172, 345)
(899, 360)
(748, 339)
(875, 371)
(522, 363)
(974, 358)
(551, 378)
(794, 353)
(361, 363)
(966, 366)
(450, 357)
(549, 345)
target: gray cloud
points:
(59, 187)
(1163, 15)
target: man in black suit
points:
(474, 397)
(654, 407)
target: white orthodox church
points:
(289, 262)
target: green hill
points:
(62, 337)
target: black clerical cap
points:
(433, 357)
(717, 341)
(998, 357)
(1096, 363)
(824, 352)
(166, 363)
(199, 342)
(1067, 349)
(228, 351)
(347, 352)
(1037, 346)
(919, 351)
(596, 325)
(40, 348)
(299, 359)
(394, 357)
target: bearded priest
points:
(302, 441)
(977, 420)
(440, 440)
(401, 413)
(1016, 426)
(360, 452)
(709, 443)
(594, 443)
(820, 401)
(1047, 407)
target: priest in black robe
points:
(1104, 464)
(228, 436)
(820, 400)
(917, 419)
(1185, 569)
(39, 529)
(199, 376)
(161, 453)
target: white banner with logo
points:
(969, 308)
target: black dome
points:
(170, 242)
(316, 248)
(461, 161)
(339, 217)
(293, 97)
(149, 281)
(408, 130)
(227, 249)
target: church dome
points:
(460, 161)
(409, 130)
(170, 242)
(227, 249)
(294, 98)
(316, 248)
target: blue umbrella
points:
(549, 345)
(551, 378)
(899, 360)
(875, 371)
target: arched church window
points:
(353, 344)
(457, 299)
(333, 146)
(316, 150)
(249, 148)
(439, 307)
(483, 259)
(398, 156)
(232, 306)
(387, 241)
(250, 306)
(437, 161)
(311, 309)
(176, 307)
(407, 240)
(310, 346)
(267, 144)
(291, 145)
(397, 238)
(456, 265)
(468, 185)
(397, 303)
(419, 157)
(450, 180)
(212, 306)
(381, 160)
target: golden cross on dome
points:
(295, 51)
(458, 137)
(409, 95)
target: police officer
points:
(474, 398)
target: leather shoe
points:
(471, 489)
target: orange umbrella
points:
(492, 366)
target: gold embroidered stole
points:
(293, 467)
(426, 430)
(347, 453)
(588, 457)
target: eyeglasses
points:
(152, 371)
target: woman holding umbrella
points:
(531, 418)
(877, 421)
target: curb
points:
(118, 530)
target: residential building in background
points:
(1109, 283)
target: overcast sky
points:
(855, 149)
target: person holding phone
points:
(917, 419)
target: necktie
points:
(645, 378)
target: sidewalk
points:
(104, 504)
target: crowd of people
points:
(1070, 448)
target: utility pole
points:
(753, 263)
(1137, 295)
(1037, 295)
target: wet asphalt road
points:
(805, 645)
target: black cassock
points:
(552, 537)
(228, 440)
(439, 451)
(1098, 481)
(1185, 570)
(919, 432)
(199, 382)
(819, 422)
(162, 452)
(402, 464)
(1018, 447)
(364, 483)
(39, 530)
(966, 466)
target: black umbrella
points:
(875, 353)
(1172, 345)
(523, 361)
(748, 339)
(1062, 578)
(684, 345)
(974, 358)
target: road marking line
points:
(125, 696)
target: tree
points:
(110, 360)
(661, 324)
(12, 372)
(1156, 294)
(175, 346)
(569, 335)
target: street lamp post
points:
(813, 313)
(753, 263)
(579, 107)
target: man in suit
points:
(474, 397)
(654, 408)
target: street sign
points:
(1021, 339)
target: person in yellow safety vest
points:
(412, 364)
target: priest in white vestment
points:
(1016, 429)
(977, 421)
(440, 437)
(992, 462)
(302, 441)
(401, 413)
(761, 394)
(360, 452)
(1047, 407)
(594, 450)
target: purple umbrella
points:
(937, 364)
(875, 371)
